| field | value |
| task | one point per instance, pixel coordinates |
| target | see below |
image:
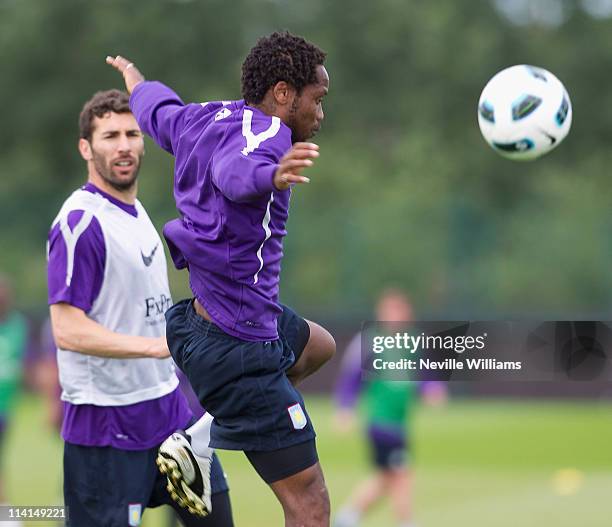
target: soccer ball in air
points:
(524, 112)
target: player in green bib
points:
(13, 340)
(388, 407)
(389, 404)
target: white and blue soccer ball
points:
(524, 112)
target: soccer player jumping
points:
(243, 352)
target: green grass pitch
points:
(476, 464)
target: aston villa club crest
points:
(134, 514)
(298, 417)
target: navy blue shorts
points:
(242, 384)
(388, 446)
(108, 487)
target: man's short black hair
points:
(279, 57)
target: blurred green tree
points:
(405, 191)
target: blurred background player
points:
(46, 376)
(389, 407)
(108, 291)
(243, 352)
(13, 342)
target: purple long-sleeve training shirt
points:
(232, 218)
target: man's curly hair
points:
(279, 57)
(99, 105)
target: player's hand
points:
(344, 421)
(292, 163)
(159, 348)
(131, 75)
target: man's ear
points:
(283, 93)
(85, 149)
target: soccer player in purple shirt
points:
(243, 352)
(108, 291)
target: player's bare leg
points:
(304, 498)
(394, 483)
(320, 348)
(399, 483)
(365, 496)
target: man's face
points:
(394, 307)
(306, 112)
(117, 146)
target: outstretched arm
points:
(348, 387)
(160, 112)
(244, 178)
(348, 384)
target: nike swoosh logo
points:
(148, 260)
